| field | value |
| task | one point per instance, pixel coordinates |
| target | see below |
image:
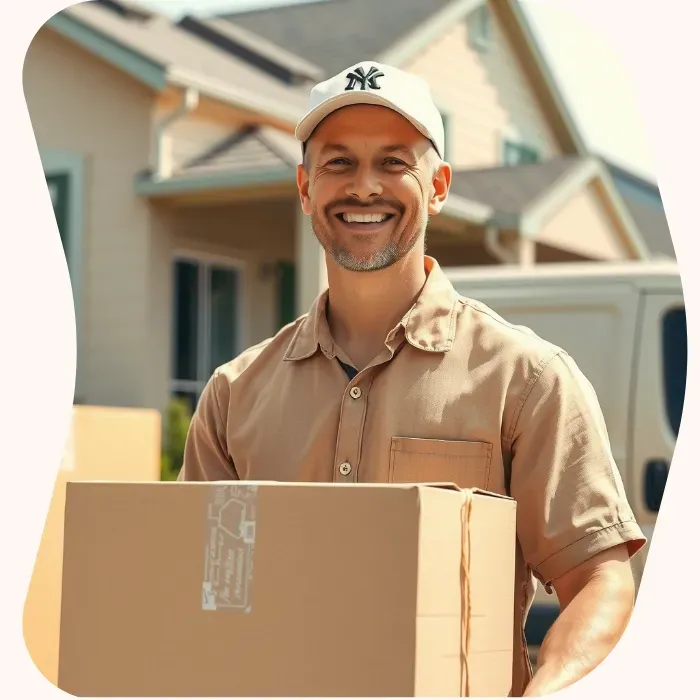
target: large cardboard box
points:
(261, 589)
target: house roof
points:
(262, 53)
(524, 196)
(249, 150)
(185, 59)
(511, 189)
(337, 33)
(653, 226)
(643, 200)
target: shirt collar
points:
(428, 325)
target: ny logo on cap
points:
(368, 80)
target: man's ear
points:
(441, 187)
(303, 187)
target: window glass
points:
(675, 363)
(187, 321)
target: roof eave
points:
(131, 62)
(230, 94)
(565, 127)
(622, 212)
(159, 76)
(192, 183)
(467, 210)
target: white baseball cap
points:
(372, 83)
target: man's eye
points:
(394, 162)
(338, 161)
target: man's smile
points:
(364, 221)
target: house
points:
(169, 155)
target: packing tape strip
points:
(466, 512)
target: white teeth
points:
(364, 218)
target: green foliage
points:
(176, 425)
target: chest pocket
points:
(418, 460)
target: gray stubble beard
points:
(382, 259)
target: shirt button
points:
(345, 468)
(356, 392)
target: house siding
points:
(79, 104)
(486, 95)
(583, 227)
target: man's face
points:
(369, 183)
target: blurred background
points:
(165, 130)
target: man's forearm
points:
(584, 634)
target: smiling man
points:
(394, 377)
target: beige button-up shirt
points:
(457, 395)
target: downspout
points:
(163, 151)
(493, 246)
(523, 255)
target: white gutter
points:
(230, 94)
(467, 210)
(163, 145)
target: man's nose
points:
(365, 184)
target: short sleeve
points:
(206, 456)
(571, 500)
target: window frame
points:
(205, 262)
(665, 356)
(480, 28)
(520, 147)
(447, 121)
(71, 164)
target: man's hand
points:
(596, 600)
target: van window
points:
(675, 362)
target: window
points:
(59, 189)
(479, 29)
(518, 153)
(206, 323)
(675, 363)
(65, 180)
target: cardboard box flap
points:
(449, 485)
(453, 487)
(492, 494)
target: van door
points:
(658, 393)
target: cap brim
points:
(352, 97)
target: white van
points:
(624, 325)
